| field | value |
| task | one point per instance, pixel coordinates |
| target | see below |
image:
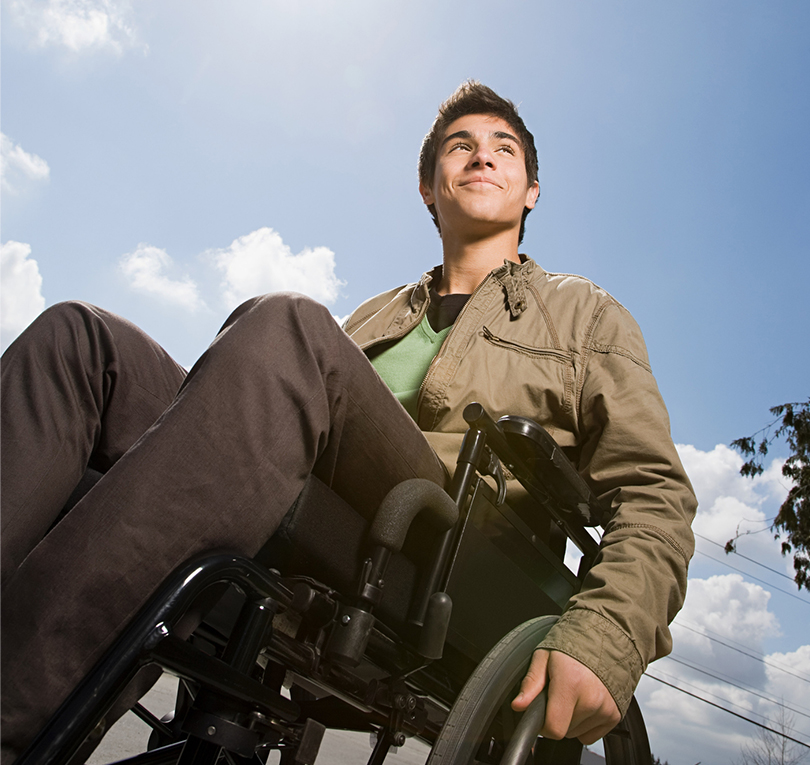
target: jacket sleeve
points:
(618, 622)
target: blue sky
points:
(167, 159)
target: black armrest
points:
(547, 463)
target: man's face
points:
(479, 184)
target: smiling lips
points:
(479, 180)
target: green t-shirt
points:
(404, 365)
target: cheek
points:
(443, 190)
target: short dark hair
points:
(471, 97)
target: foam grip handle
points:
(403, 503)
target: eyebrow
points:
(504, 136)
(467, 134)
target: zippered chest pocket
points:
(540, 378)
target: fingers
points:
(534, 682)
(591, 725)
(563, 692)
(579, 705)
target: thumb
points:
(534, 682)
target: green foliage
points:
(792, 422)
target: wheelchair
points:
(420, 624)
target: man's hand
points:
(579, 705)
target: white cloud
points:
(146, 268)
(732, 610)
(720, 610)
(18, 167)
(730, 503)
(728, 609)
(791, 686)
(260, 262)
(683, 730)
(78, 25)
(20, 290)
(716, 474)
(253, 264)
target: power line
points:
(683, 622)
(718, 706)
(735, 552)
(719, 698)
(717, 636)
(727, 681)
(745, 653)
(751, 576)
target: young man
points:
(282, 393)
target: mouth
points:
(479, 182)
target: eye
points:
(506, 148)
(459, 145)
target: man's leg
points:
(80, 386)
(282, 392)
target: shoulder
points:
(573, 287)
(371, 307)
(607, 325)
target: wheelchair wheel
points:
(481, 722)
(628, 742)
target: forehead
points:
(480, 126)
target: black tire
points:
(628, 742)
(481, 722)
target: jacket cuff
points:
(602, 647)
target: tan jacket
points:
(560, 350)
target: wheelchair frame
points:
(441, 674)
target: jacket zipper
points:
(527, 349)
(437, 358)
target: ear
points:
(427, 194)
(531, 195)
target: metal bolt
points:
(345, 619)
(399, 739)
(211, 730)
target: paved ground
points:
(129, 735)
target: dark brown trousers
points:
(282, 392)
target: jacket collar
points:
(420, 295)
(511, 276)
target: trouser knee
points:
(264, 323)
(280, 309)
(65, 321)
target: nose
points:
(482, 157)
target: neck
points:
(467, 263)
